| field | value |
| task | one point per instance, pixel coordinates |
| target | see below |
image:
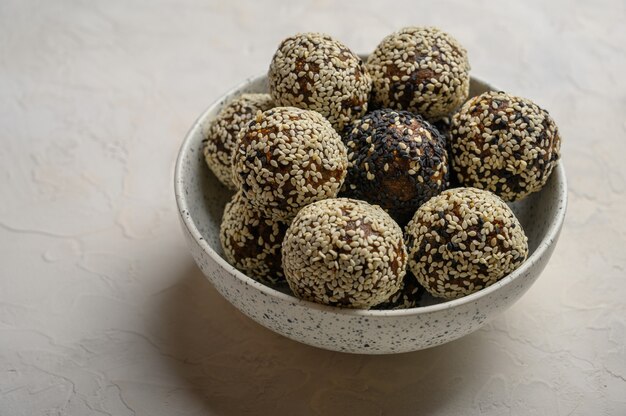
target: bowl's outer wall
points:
(377, 332)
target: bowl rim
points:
(181, 202)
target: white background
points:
(102, 310)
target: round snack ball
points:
(443, 127)
(315, 72)
(463, 240)
(396, 160)
(505, 144)
(222, 133)
(408, 296)
(251, 242)
(344, 252)
(287, 158)
(422, 70)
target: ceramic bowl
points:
(201, 200)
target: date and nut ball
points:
(316, 72)
(420, 69)
(504, 144)
(287, 158)
(463, 240)
(221, 135)
(408, 296)
(251, 242)
(396, 160)
(344, 252)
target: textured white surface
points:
(102, 310)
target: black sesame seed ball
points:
(505, 144)
(316, 72)
(344, 252)
(287, 158)
(443, 126)
(408, 296)
(396, 160)
(251, 242)
(462, 241)
(222, 133)
(422, 70)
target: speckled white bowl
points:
(201, 199)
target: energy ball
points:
(344, 252)
(222, 133)
(408, 296)
(316, 72)
(421, 70)
(396, 160)
(251, 242)
(287, 158)
(443, 127)
(505, 144)
(462, 241)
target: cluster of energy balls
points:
(342, 173)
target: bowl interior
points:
(205, 197)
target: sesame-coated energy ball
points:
(421, 70)
(287, 158)
(396, 160)
(222, 133)
(315, 72)
(408, 296)
(251, 242)
(505, 144)
(344, 252)
(462, 241)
